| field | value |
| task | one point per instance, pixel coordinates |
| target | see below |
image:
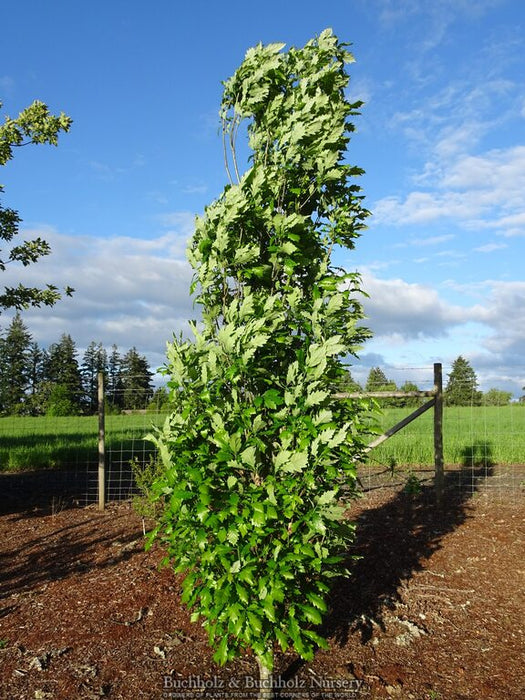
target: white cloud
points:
(195, 189)
(415, 324)
(410, 311)
(182, 221)
(490, 247)
(476, 192)
(128, 291)
(426, 241)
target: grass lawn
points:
(470, 435)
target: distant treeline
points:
(461, 388)
(55, 381)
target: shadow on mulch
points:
(47, 491)
(393, 541)
(66, 551)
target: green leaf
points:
(295, 463)
(202, 512)
(246, 574)
(248, 456)
(221, 655)
(317, 600)
(316, 355)
(312, 614)
(282, 638)
(272, 398)
(242, 593)
(327, 497)
(315, 397)
(324, 416)
(235, 567)
(255, 623)
(282, 458)
(258, 423)
(317, 639)
(269, 609)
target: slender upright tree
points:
(94, 360)
(114, 388)
(256, 449)
(62, 369)
(462, 385)
(136, 380)
(15, 367)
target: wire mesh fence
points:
(483, 438)
(53, 460)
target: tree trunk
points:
(265, 680)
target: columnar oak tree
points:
(255, 449)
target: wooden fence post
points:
(101, 444)
(438, 431)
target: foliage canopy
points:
(256, 449)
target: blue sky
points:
(441, 137)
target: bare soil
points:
(435, 607)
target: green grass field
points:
(471, 435)
(69, 442)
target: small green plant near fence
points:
(145, 475)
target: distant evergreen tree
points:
(135, 376)
(462, 385)
(34, 401)
(409, 401)
(95, 360)
(15, 367)
(61, 368)
(114, 386)
(36, 357)
(377, 381)
(349, 384)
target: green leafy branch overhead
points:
(34, 125)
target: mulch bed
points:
(435, 607)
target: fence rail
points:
(436, 402)
(58, 459)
